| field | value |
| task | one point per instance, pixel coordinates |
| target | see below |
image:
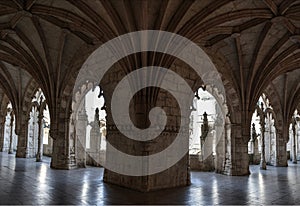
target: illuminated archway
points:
(88, 126)
(263, 134)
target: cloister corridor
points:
(24, 181)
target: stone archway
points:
(22, 124)
(212, 146)
(3, 109)
(268, 139)
(141, 106)
(281, 141)
(85, 134)
(235, 145)
(38, 121)
(271, 140)
(10, 138)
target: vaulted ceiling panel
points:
(253, 41)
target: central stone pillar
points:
(239, 150)
(282, 136)
(177, 174)
(22, 130)
(59, 131)
(59, 156)
(281, 150)
(22, 150)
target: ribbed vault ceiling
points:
(252, 42)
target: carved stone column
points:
(204, 132)
(174, 176)
(267, 140)
(95, 140)
(81, 126)
(294, 122)
(95, 133)
(10, 151)
(282, 140)
(263, 164)
(256, 155)
(298, 142)
(2, 126)
(59, 131)
(262, 123)
(23, 141)
(39, 154)
(30, 135)
(227, 149)
(72, 141)
(240, 136)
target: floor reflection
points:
(24, 181)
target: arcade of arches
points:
(253, 44)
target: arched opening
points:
(207, 132)
(10, 140)
(293, 145)
(139, 164)
(88, 126)
(262, 147)
(270, 140)
(39, 141)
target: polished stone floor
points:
(24, 181)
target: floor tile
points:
(24, 181)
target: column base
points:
(22, 152)
(282, 162)
(62, 165)
(39, 157)
(239, 167)
(263, 166)
(176, 176)
(60, 158)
